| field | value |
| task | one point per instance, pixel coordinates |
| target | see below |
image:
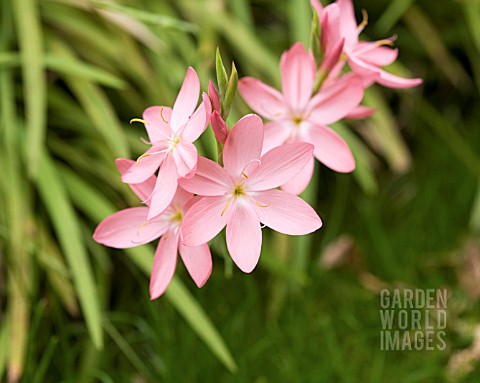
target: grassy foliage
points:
(74, 72)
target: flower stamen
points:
(148, 155)
(261, 204)
(225, 208)
(161, 115)
(139, 120)
(364, 22)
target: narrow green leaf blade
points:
(65, 223)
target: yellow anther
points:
(139, 120)
(364, 22)
(385, 42)
(225, 208)
(261, 205)
(243, 174)
(161, 115)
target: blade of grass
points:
(383, 135)
(19, 259)
(64, 221)
(147, 17)
(4, 346)
(444, 129)
(47, 355)
(50, 258)
(72, 67)
(364, 173)
(299, 12)
(31, 44)
(391, 15)
(128, 351)
(99, 109)
(428, 35)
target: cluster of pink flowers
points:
(261, 168)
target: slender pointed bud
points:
(332, 56)
(222, 79)
(230, 94)
(315, 34)
(219, 127)
(214, 98)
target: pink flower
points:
(242, 195)
(130, 227)
(339, 26)
(171, 134)
(296, 115)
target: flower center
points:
(238, 191)
(297, 120)
(177, 216)
(173, 142)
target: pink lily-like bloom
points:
(171, 134)
(243, 194)
(337, 22)
(130, 227)
(296, 115)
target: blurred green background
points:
(74, 72)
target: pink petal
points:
(391, 81)
(375, 54)
(244, 237)
(145, 166)
(299, 182)
(384, 78)
(360, 112)
(128, 228)
(182, 200)
(186, 101)
(142, 190)
(198, 261)
(348, 23)
(285, 212)
(244, 144)
(279, 165)
(263, 99)
(204, 220)
(185, 157)
(331, 149)
(298, 76)
(164, 264)
(197, 124)
(210, 179)
(219, 127)
(336, 101)
(157, 118)
(330, 28)
(276, 133)
(164, 188)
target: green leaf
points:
(65, 223)
(147, 17)
(77, 68)
(34, 82)
(363, 173)
(230, 93)
(222, 78)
